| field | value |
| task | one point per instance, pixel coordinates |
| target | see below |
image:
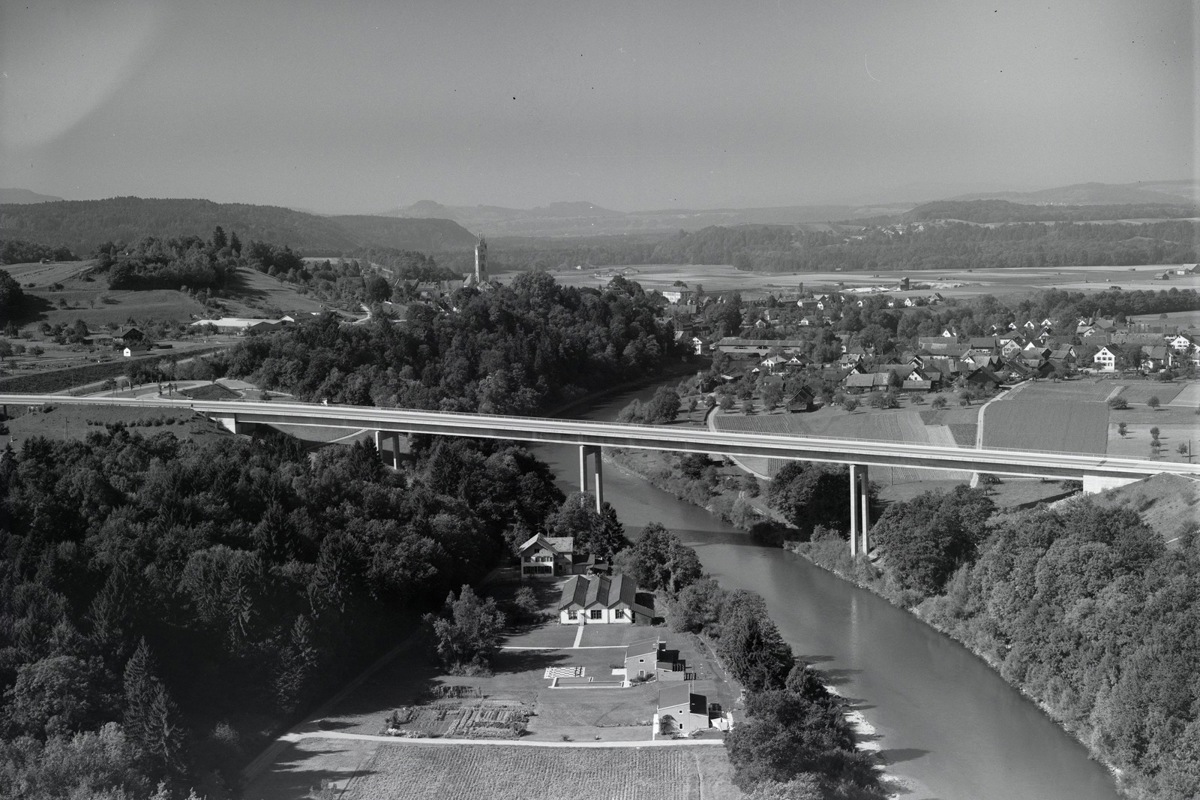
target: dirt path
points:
(366, 737)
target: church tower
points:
(481, 275)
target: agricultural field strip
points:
(588, 432)
(605, 745)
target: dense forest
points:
(186, 262)
(514, 349)
(936, 245)
(83, 225)
(164, 600)
(1084, 608)
(16, 251)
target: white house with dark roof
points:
(598, 599)
(547, 556)
(682, 711)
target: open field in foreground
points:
(370, 770)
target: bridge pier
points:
(381, 444)
(860, 510)
(231, 424)
(586, 450)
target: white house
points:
(547, 556)
(680, 710)
(1106, 359)
(597, 599)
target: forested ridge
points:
(514, 349)
(1084, 608)
(82, 225)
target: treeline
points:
(162, 602)
(938, 245)
(12, 297)
(795, 741)
(16, 251)
(186, 262)
(1002, 211)
(515, 349)
(1083, 608)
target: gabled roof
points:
(681, 694)
(556, 544)
(645, 647)
(587, 591)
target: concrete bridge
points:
(1097, 472)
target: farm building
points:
(597, 599)
(547, 556)
(243, 325)
(680, 710)
(650, 658)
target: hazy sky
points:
(366, 106)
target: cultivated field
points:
(1036, 422)
(950, 283)
(465, 773)
(351, 769)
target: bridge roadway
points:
(1097, 470)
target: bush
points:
(1118, 403)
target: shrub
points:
(1118, 403)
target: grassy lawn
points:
(379, 771)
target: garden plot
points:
(458, 719)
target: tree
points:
(1118, 403)
(1154, 433)
(1154, 403)
(772, 395)
(850, 403)
(726, 402)
(663, 407)
(219, 241)
(1122, 428)
(467, 632)
(1183, 449)
(151, 718)
(751, 646)
(377, 289)
(938, 403)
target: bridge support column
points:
(231, 424)
(586, 450)
(853, 510)
(864, 496)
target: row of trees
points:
(160, 599)
(945, 245)
(1084, 608)
(16, 251)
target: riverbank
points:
(833, 557)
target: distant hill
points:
(581, 218)
(1101, 194)
(82, 225)
(24, 196)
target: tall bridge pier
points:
(592, 451)
(860, 510)
(381, 440)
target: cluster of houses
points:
(1007, 355)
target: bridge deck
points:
(681, 439)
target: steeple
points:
(481, 262)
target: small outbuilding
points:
(682, 711)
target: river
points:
(949, 725)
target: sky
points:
(361, 107)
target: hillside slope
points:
(82, 225)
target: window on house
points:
(597, 613)
(571, 615)
(620, 613)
